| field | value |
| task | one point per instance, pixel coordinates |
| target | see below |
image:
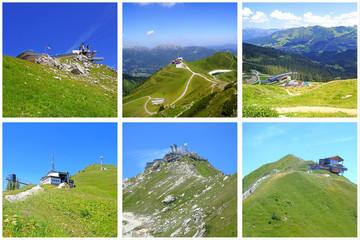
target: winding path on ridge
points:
(181, 96)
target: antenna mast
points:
(52, 163)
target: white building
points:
(56, 178)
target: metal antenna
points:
(53, 163)
(101, 158)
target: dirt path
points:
(187, 84)
(182, 95)
(292, 94)
(132, 222)
(150, 113)
(24, 195)
(316, 109)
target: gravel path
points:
(24, 195)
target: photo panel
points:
(179, 180)
(179, 59)
(297, 175)
(60, 180)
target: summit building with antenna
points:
(55, 177)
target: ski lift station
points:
(281, 77)
(331, 164)
(56, 178)
(31, 55)
(176, 154)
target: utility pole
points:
(101, 158)
(53, 163)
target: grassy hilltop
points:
(202, 98)
(299, 203)
(31, 90)
(88, 210)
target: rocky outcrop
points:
(75, 68)
(24, 195)
(168, 199)
(46, 60)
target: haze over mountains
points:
(144, 61)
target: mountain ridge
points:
(310, 39)
(182, 198)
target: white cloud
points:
(149, 33)
(259, 17)
(284, 16)
(169, 5)
(143, 3)
(246, 12)
(165, 4)
(346, 19)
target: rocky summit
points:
(184, 198)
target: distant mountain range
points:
(249, 33)
(310, 39)
(143, 61)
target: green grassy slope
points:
(170, 82)
(31, 90)
(88, 210)
(301, 204)
(221, 60)
(144, 196)
(327, 95)
(284, 164)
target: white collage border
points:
(119, 120)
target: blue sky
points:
(268, 142)
(290, 15)
(186, 24)
(28, 147)
(62, 27)
(144, 142)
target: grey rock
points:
(77, 69)
(169, 199)
(45, 59)
(201, 232)
(111, 69)
(186, 222)
(165, 209)
(197, 215)
(81, 58)
(179, 196)
(156, 165)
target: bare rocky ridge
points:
(76, 68)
